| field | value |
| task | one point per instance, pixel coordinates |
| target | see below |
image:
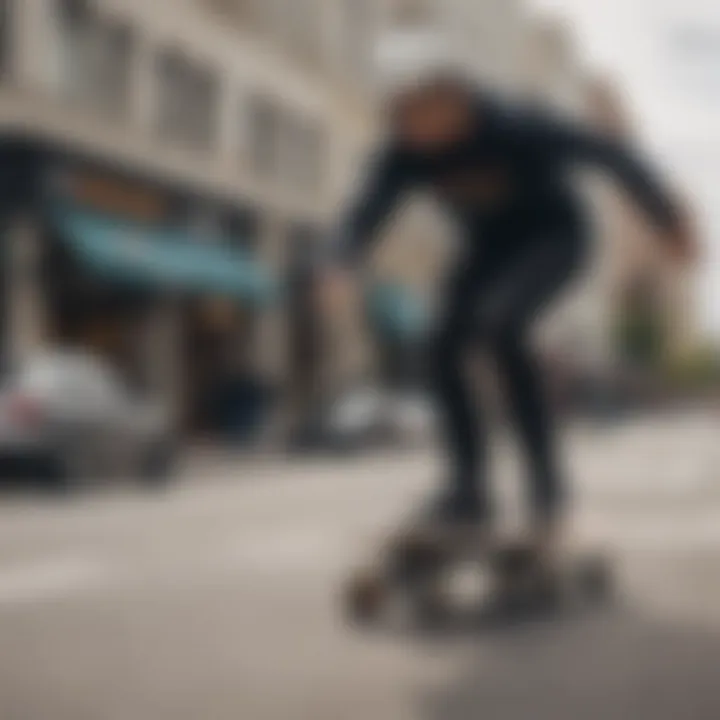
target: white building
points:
(227, 119)
(579, 328)
(637, 255)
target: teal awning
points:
(163, 258)
(396, 312)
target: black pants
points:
(492, 300)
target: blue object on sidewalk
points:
(396, 312)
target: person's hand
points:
(682, 242)
(336, 291)
(684, 248)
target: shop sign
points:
(112, 195)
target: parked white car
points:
(66, 416)
(374, 416)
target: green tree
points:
(641, 335)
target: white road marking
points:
(49, 580)
(334, 548)
(316, 550)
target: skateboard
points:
(418, 570)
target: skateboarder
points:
(503, 173)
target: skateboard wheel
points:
(429, 610)
(365, 599)
(549, 591)
(414, 560)
(513, 562)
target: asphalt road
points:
(218, 600)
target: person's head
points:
(434, 113)
(425, 90)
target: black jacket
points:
(503, 184)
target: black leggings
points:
(493, 300)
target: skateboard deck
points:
(418, 570)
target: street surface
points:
(218, 599)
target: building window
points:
(264, 138)
(294, 24)
(284, 147)
(188, 101)
(95, 58)
(306, 155)
(5, 38)
(241, 227)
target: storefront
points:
(161, 281)
(307, 342)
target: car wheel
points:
(53, 475)
(158, 465)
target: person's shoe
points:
(456, 508)
(453, 520)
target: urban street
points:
(219, 598)
(249, 249)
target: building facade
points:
(163, 119)
(235, 129)
(578, 327)
(637, 257)
(626, 249)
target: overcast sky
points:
(666, 55)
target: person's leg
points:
(459, 421)
(533, 420)
(522, 288)
(461, 428)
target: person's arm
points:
(584, 146)
(378, 197)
